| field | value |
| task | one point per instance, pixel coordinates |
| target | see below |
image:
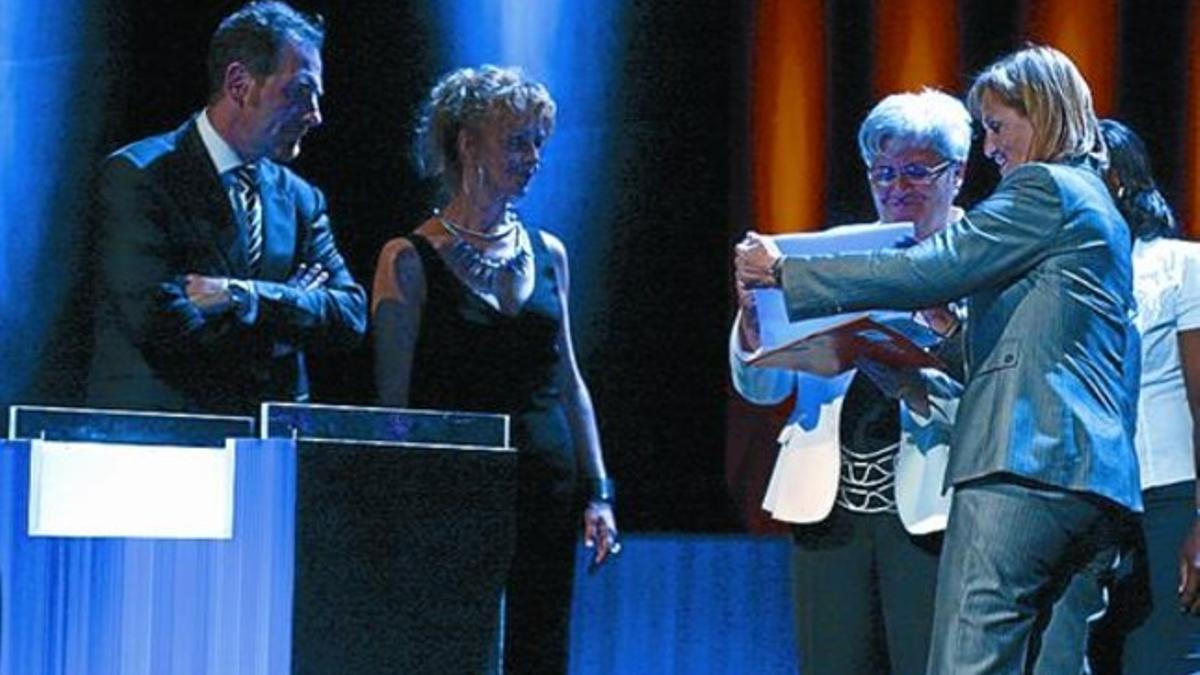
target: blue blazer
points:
(1051, 351)
(162, 212)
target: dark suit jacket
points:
(163, 213)
(1052, 354)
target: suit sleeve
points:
(141, 280)
(1002, 238)
(332, 316)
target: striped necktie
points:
(246, 187)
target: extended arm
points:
(1189, 552)
(1001, 238)
(600, 528)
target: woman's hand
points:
(600, 532)
(754, 261)
(1189, 571)
(942, 319)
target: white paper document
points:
(83, 489)
(773, 324)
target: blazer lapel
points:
(205, 201)
(279, 223)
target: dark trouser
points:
(1167, 642)
(1017, 554)
(863, 593)
(537, 598)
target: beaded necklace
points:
(496, 276)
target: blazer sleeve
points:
(1006, 235)
(332, 316)
(762, 386)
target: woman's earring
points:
(1120, 192)
(479, 176)
(464, 184)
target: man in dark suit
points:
(217, 264)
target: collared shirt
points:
(1166, 283)
(223, 156)
(226, 159)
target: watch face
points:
(239, 294)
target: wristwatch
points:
(239, 296)
(777, 272)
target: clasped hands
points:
(754, 260)
(212, 295)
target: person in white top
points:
(859, 475)
(1166, 284)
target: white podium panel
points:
(89, 489)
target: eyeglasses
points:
(917, 174)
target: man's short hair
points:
(255, 35)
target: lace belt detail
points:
(868, 480)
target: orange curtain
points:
(1088, 32)
(916, 45)
(789, 115)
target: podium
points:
(361, 540)
(404, 531)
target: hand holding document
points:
(754, 261)
(888, 345)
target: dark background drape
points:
(652, 175)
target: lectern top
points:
(385, 426)
(125, 426)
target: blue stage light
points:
(40, 53)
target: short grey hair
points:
(926, 119)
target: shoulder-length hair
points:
(1044, 85)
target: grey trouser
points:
(863, 593)
(1022, 573)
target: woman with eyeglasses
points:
(1042, 460)
(1166, 282)
(859, 475)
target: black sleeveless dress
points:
(469, 356)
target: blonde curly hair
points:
(468, 98)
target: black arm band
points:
(602, 490)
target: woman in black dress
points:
(470, 313)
